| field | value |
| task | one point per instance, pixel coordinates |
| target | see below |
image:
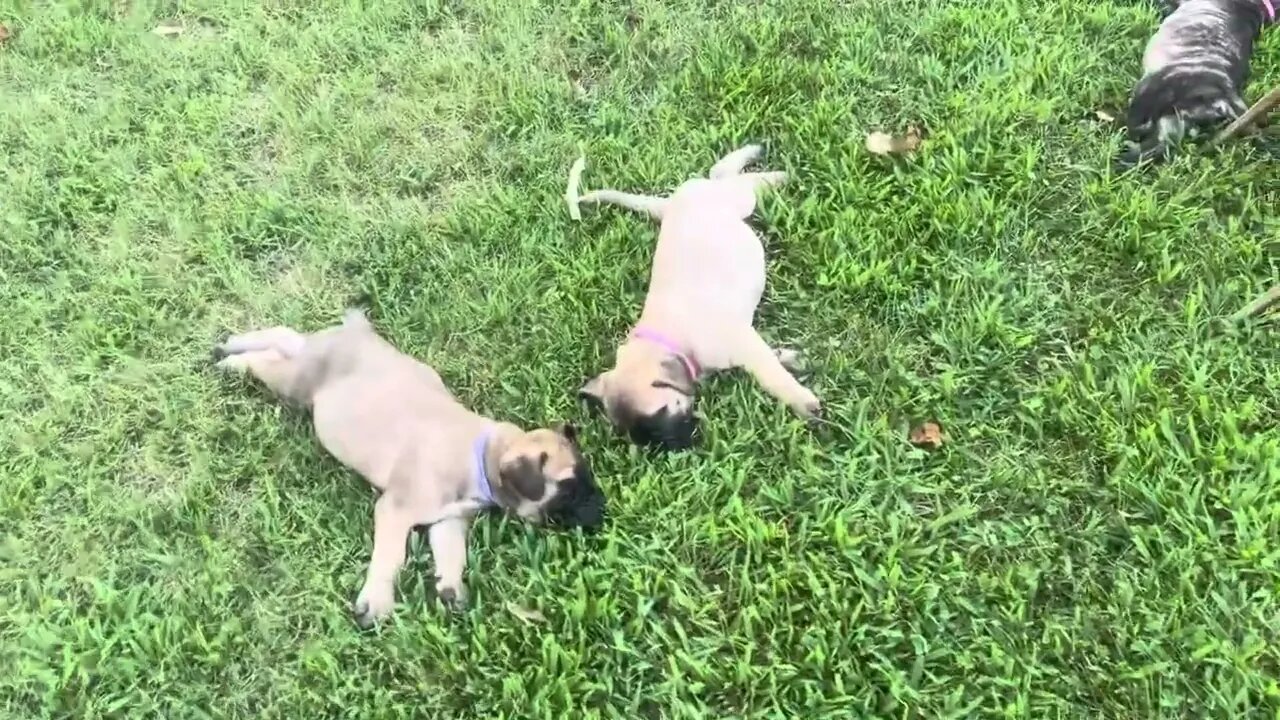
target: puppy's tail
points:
(355, 318)
(653, 206)
(286, 341)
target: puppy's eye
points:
(542, 460)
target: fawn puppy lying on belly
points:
(391, 419)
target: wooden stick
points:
(1265, 302)
(1265, 104)
(1249, 118)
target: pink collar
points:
(1271, 10)
(653, 336)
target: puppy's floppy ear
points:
(593, 391)
(569, 431)
(524, 475)
(676, 374)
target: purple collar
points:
(1271, 10)
(479, 473)
(653, 336)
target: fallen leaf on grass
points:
(1104, 116)
(881, 143)
(167, 30)
(928, 436)
(5, 34)
(527, 615)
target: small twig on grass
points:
(1265, 302)
(1249, 118)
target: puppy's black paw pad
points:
(453, 598)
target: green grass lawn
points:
(1099, 538)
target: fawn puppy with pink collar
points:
(698, 317)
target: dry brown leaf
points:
(881, 143)
(167, 30)
(911, 141)
(1104, 116)
(5, 34)
(927, 435)
(528, 615)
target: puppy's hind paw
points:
(226, 357)
(454, 598)
(371, 606)
(237, 363)
(364, 619)
(750, 153)
(734, 162)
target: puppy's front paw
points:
(373, 604)
(454, 597)
(807, 405)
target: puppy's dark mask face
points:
(663, 429)
(545, 479)
(653, 407)
(576, 502)
(1194, 68)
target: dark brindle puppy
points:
(1194, 70)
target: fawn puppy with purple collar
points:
(698, 317)
(436, 463)
(1193, 72)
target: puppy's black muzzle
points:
(582, 505)
(664, 430)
